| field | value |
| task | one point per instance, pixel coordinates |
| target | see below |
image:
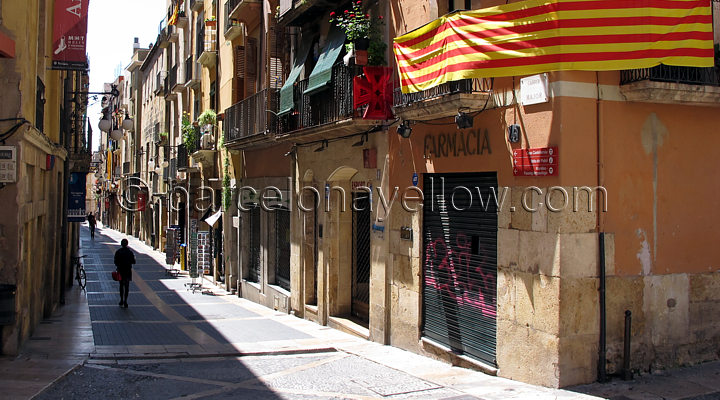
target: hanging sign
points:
(70, 35)
(193, 268)
(541, 161)
(141, 201)
(76, 197)
(415, 179)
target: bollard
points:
(626, 374)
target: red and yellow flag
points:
(536, 36)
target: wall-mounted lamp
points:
(362, 141)
(322, 147)
(128, 124)
(105, 125)
(463, 120)
(514, 133)
(404, 129)
(116, 134)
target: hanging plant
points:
(208, 117)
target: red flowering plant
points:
(354, 22)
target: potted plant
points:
(189, 134)
(208, 117)
(210, 21)
(163, 137)
(359, 29)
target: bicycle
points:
(80, 275)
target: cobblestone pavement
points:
(175, 343)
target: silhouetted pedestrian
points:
(124, 259)
(91, 222)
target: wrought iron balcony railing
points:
(160, 84)
(172, 77)
(183, 161)
(229, 7)
(469, 86)
(249, 117)
(331, 105)
(669, 73)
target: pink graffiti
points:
(451, 273)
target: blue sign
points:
(415, 179)
(76, 197)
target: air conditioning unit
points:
(207, 142)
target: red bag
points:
(116, 276)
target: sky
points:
(112, 26)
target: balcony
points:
(175, 82)
(672, 85)
(246, 122)
(204, 147)
(182, 19)
(197, 5)
(300, 12)
(245, 11)
(208, 57)
(192, 74)
(163, 34)
(173, 34)
(327, 114)
(233, 29)
(443, 100)
(160, 84)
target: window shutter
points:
(277, 41)
(239, 73)
(251, 58)
(240, 62)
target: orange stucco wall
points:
(661, 172)
(657, 165)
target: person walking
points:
(124, 259)
(91, 222)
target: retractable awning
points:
(287, 101)
(322, 73)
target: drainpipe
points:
(602, 350)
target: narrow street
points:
(172, 342)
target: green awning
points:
(287, 101)
(322, 73)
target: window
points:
(212, 94)
(456, 5)
(40, 105)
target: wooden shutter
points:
(251, 52)
(276, 50)
(239, 78)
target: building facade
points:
(407, 218)
(41, 145)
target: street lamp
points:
(128, 124)
(105, 125)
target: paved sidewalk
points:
(175, 343)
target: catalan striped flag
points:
(536, 36)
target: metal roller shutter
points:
(460, 263)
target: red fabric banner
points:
(70, 34)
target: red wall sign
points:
(541, 161)
(70, 34)
(141, 201)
